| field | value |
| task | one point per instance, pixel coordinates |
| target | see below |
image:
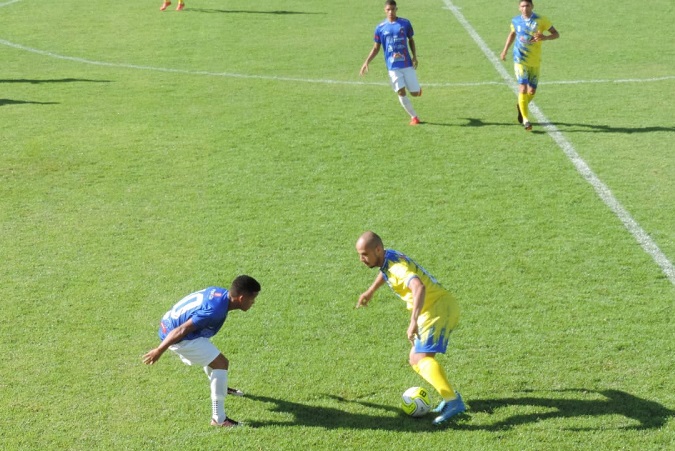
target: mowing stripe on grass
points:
(304, 80)
(600, 188)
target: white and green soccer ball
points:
(415, 402)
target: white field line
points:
(302, 80)
(584, 170)
(9, 3)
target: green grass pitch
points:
(144, 155)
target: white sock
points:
(407, 105)
(218, 392)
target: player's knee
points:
(220, 363)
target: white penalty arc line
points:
(584, 170)
(298, 79)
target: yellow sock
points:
(523, 102)
(433, 373)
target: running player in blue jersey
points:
(186, 329)
(394, 34)
(434, 315)
(527, 31)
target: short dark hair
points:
(390, 2)
(526, 1)
(244, 285)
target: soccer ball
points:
(416, 402)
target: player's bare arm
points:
(419, 292)
(373, 53)
(553, 34)
(172, 338)
(413, 51)
(509, 40)
(368, 294)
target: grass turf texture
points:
(124, 188)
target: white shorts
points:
(199, 351)
(404, 78)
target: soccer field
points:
(145, 155)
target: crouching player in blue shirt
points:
(186, 329)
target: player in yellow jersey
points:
(527, 31)
(434, 314)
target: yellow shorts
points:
(527, 75)
(435, 324)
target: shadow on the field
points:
(592, 128)
(335, 417)
(471, 122)
(565, 405)
(644, 413)
(52, 80)
(22, 102)
(239, 11)
(565, 127)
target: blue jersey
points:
(393, 37)
(208, 309)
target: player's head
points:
(525, 7)
(390, 9)
(243, 291)
(370, 249)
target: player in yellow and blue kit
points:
(527, 31)
(434, 314)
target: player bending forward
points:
(186, 329)
(435, 313)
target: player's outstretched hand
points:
(364, 299)
(152, 356)
(364, 69)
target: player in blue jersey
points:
(186, 329)
(394, 35)
(527, 31)
(434, 315)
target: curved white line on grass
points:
(9, 3)
(295, 79)
(600, 188)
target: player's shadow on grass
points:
(239, 11)
(51, 80)
(565, 405)
(335, 417)
(566, 127)
(471, 122)
(22, 102)
(645, 414)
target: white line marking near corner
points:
(584, 170)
